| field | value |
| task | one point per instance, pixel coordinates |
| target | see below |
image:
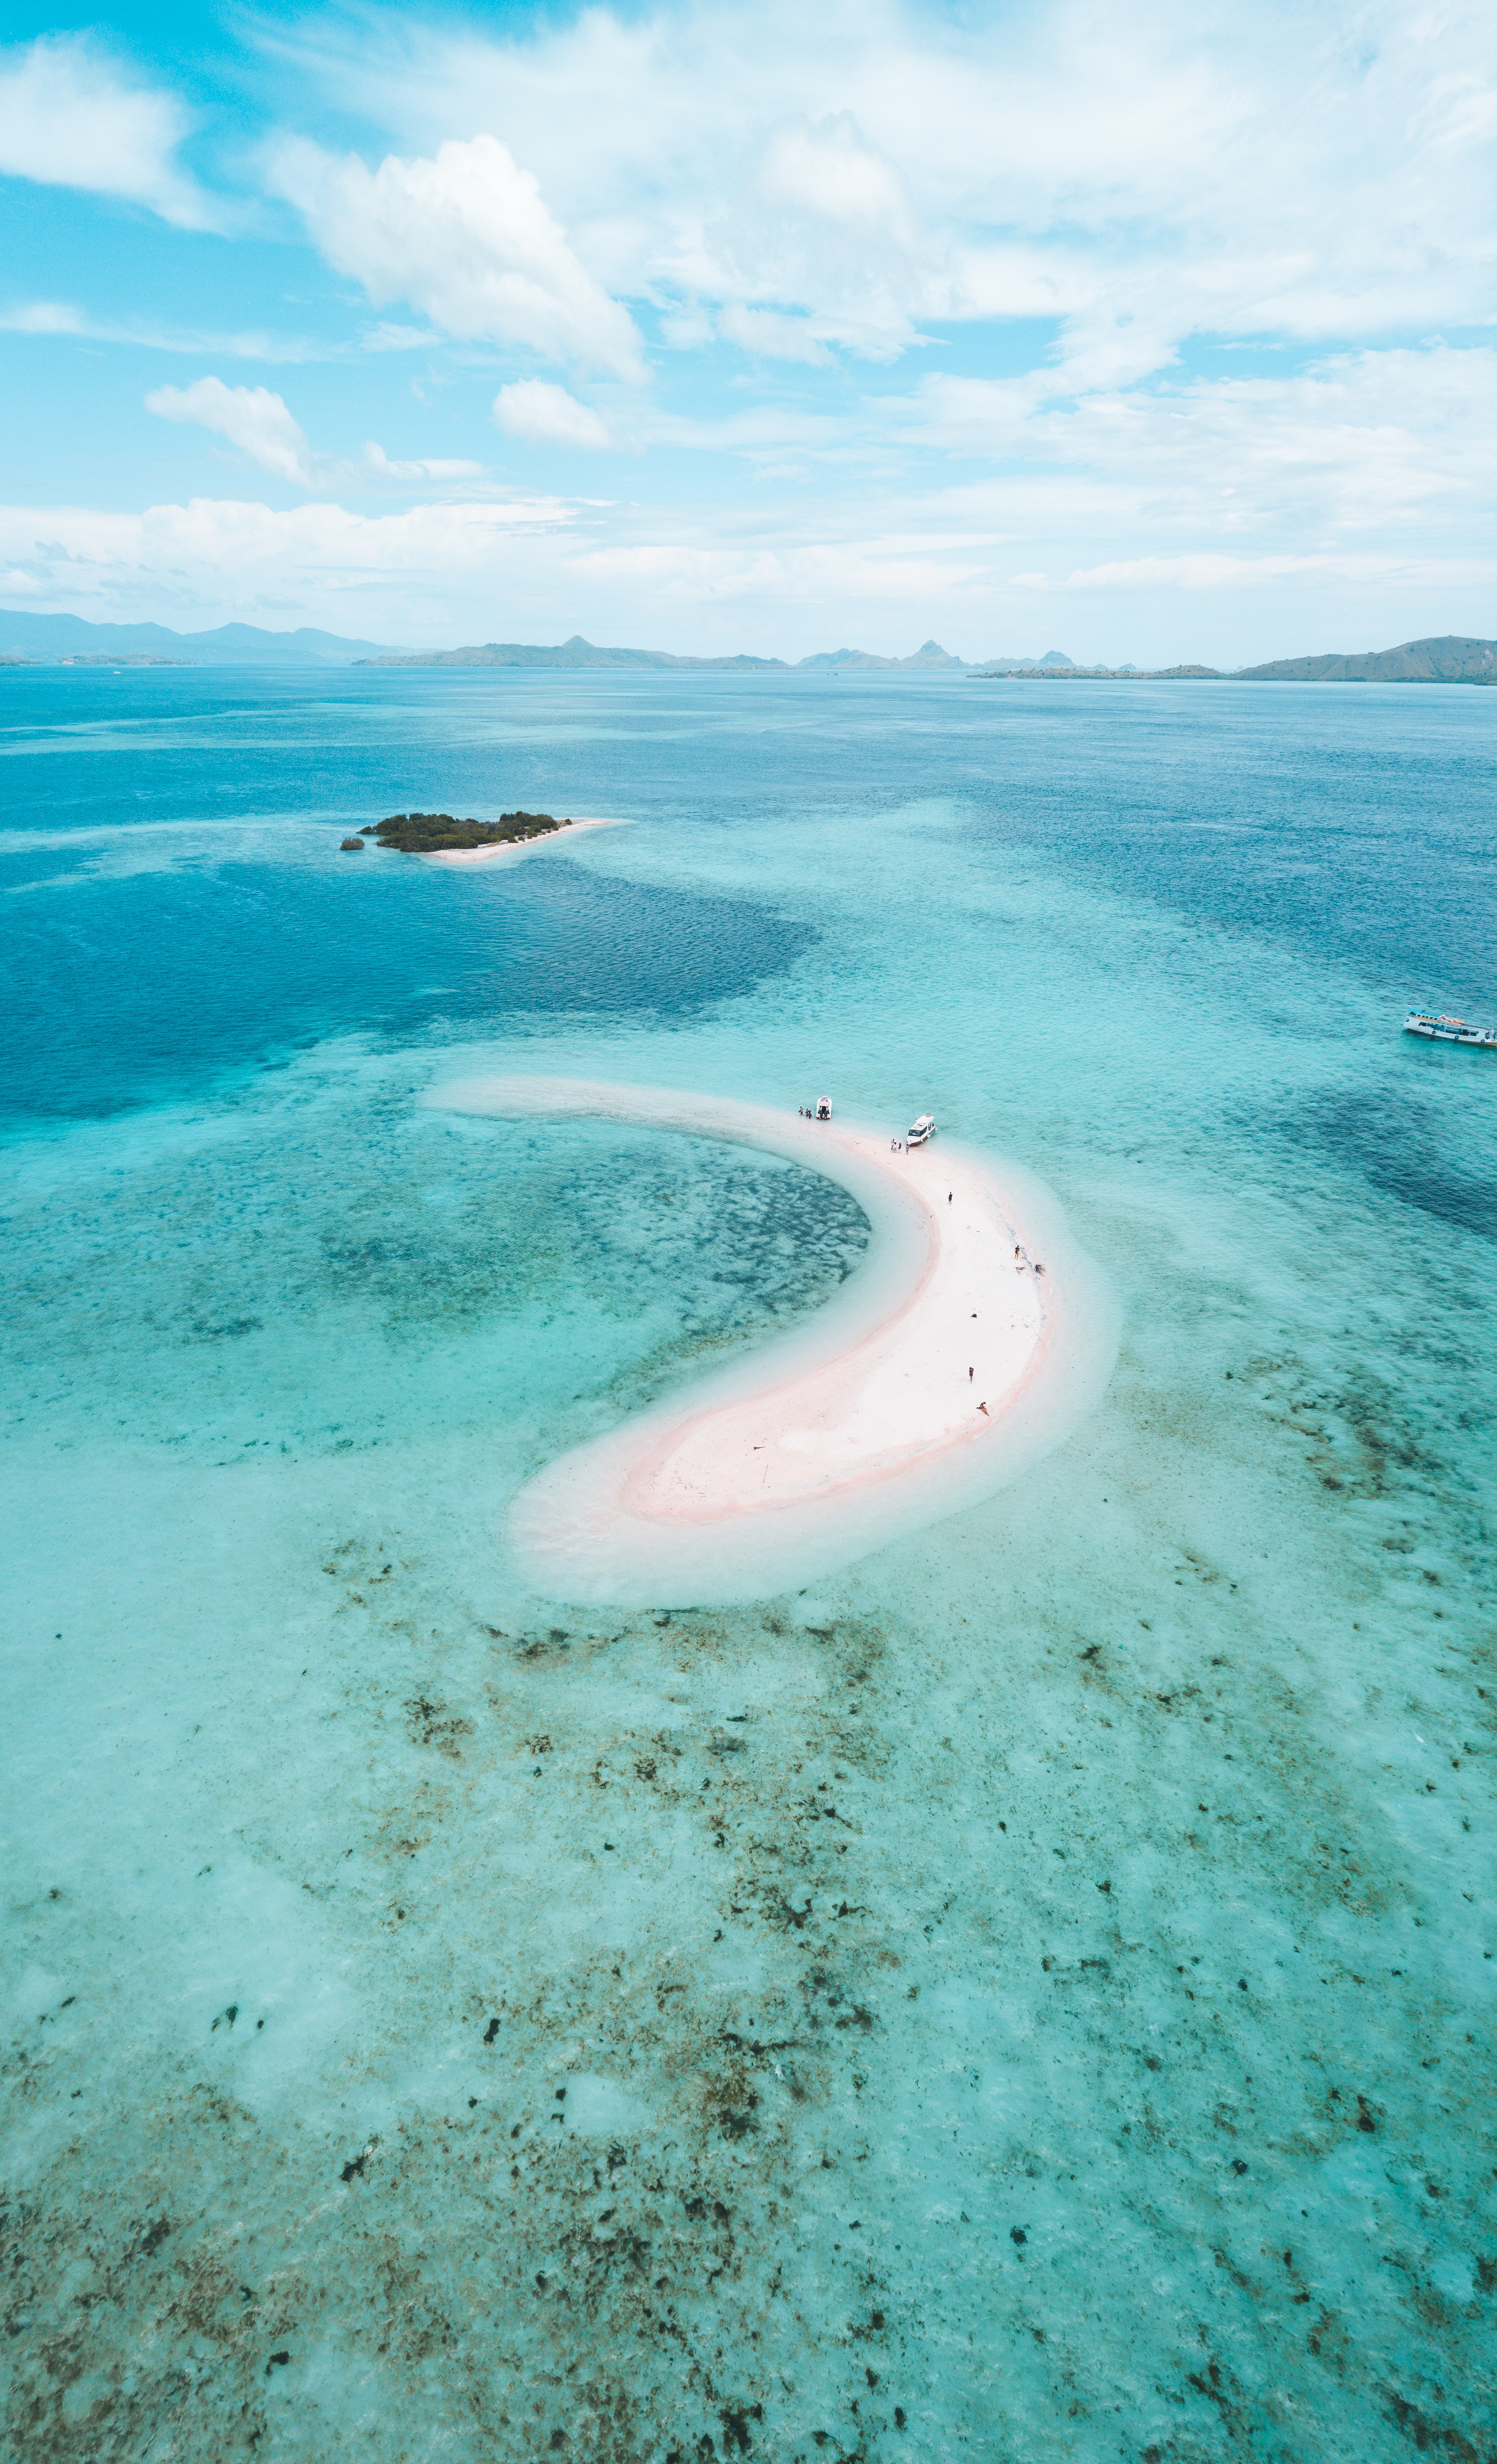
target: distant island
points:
(437, 833)
(1443, 659)
(97, 659)
(121, 659)
(1064, 672)
(575, 653)
(27, 639)
(579, 653)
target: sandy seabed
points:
(972, 1337)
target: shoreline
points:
(860, 1424)
(499, 854)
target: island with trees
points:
(438, 833)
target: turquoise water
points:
(1031, 1998)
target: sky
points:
(1146, 335)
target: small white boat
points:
(1450, 1030)
(823, 1108)
(921, 1130)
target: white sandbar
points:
(965, 1345)
(527, 846)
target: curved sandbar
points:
(967, 1343)
(501, 854)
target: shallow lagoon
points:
(1031, 1998)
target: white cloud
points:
(1215, 573)
(540, 568)
(466, 238)
(822, 225)
(392, 577)
(687, 327)
(45, 317)
(388, 336)
(379, 460)
(829, 171)
(250, 416)
(538, 413)
(1363, 441)
(64, 318)
(71, 118)
(1270, 166)
(771, 336)
(265, 432)
(1230, 235)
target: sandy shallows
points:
(969, 1341)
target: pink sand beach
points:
(968, 1343)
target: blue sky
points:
(1153, 335)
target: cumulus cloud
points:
(1176, 279)
(259, 424)
(1271, 166)
(250, 416)
(538, 413)
(69, 117)
(828, 170)
(824, 226)
(776, 582)
(393, 576)
(466, 237)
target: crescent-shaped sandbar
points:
(967, 1343)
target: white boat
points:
(823, 1108)
(921, 1130)
(1450, 1030)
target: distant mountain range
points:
(930, 659)
(24, 636)
(1445, 658)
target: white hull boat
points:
(1450, 1030)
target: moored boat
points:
(923, 1130)
(1450, 1030)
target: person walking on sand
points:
(969, 1377)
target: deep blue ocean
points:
(1031, 2000)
